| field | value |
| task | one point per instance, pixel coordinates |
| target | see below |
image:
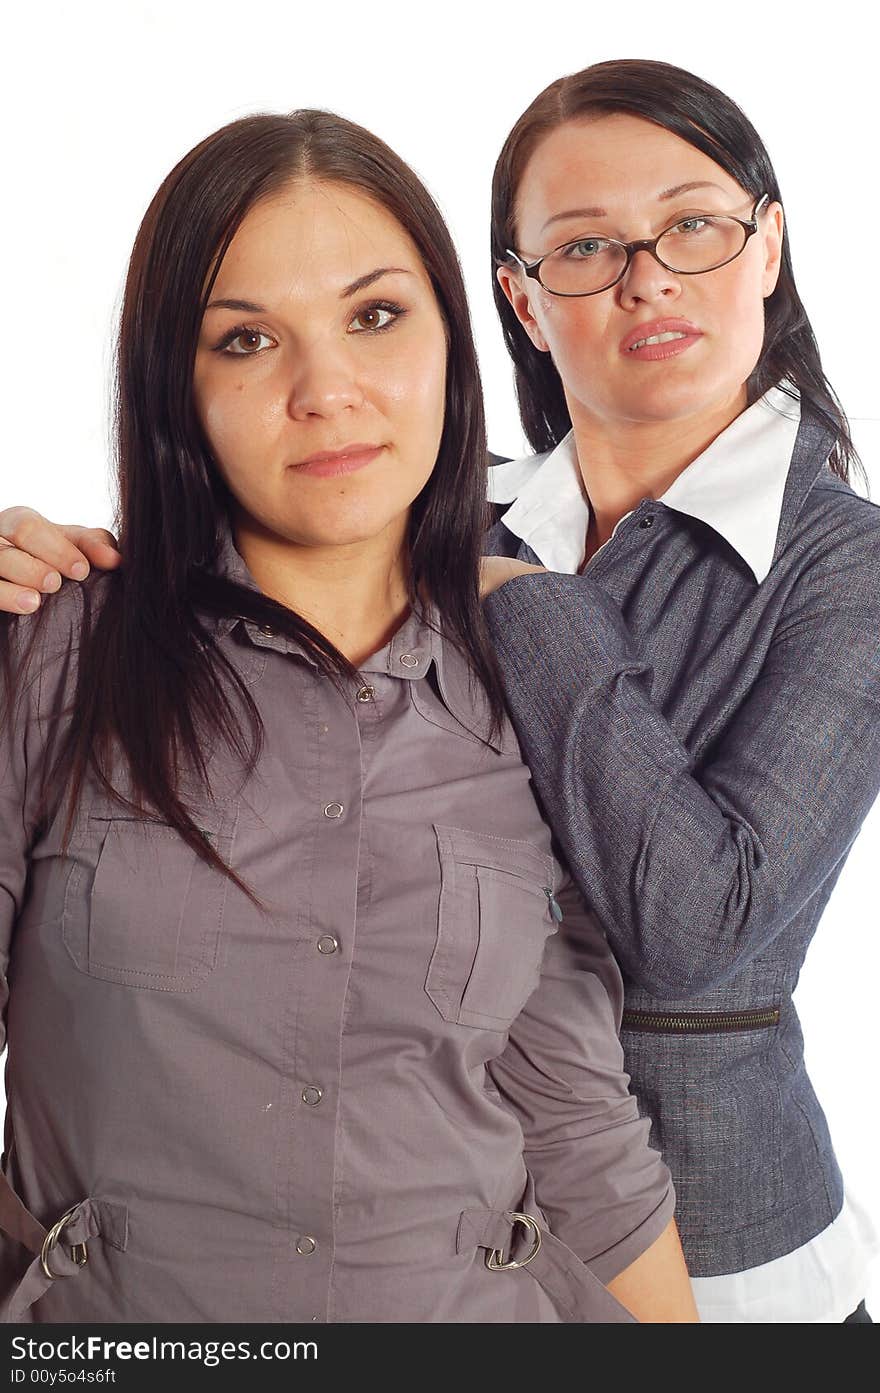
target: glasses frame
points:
(645, 244)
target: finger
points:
(14, 600)
(97, 544)
(30, 532)
(25, 570)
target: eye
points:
(691, 226)
(242, 342)
(374, 318)
(585, 248)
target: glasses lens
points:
(700, 244)
(580, 268)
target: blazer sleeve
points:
(604, 1191)
(38, 655)
(694, 870)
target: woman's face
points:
(320, 368)
(622, 177)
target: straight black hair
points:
(702, 115)
(153, 684)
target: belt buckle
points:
(78, 1252)
(495, 1257)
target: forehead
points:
(615, 162)
(315, 232)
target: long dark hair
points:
(707, 119)
(153, 681)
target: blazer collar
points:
(743, 486)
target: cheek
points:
(741, 321)
(239, 421)
(576, 332)
(414, 386)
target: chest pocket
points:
(141, 908)
(494, 919)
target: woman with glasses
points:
(685, 611)
(687, 627)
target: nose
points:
(324, 382)
(647, 280)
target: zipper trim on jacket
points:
(700, 1022)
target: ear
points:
(509, 280)
(772, 231)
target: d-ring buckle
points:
(78, 1251)
(494, 1259)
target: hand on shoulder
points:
(36, 555)
(495, 570)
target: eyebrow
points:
(363, 281)
(575, 213)
(686, 188)
(661, 198)
(247, 305)
(250, 306)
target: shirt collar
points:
(736, 486)
(420, 644)
(417, 645)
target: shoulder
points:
(509, 477)
(506, 480)
(36, 646)
(838, 527)
(830, 569)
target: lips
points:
(680, 332)
(345, 460)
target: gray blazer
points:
(707, 748)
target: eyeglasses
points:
(699, 243)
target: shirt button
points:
(328, 944)
(334, 810)
(366, 694)
(409, 660)
(647, 520)
(305, 1245)
(312, 1095)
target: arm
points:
(36, 554)
(651, 1287)
(604, 1191)
(35, 687)
(694, 870)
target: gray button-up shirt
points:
(320, 1111)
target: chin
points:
(339, 531)
(672, 401)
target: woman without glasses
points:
(304, 1022)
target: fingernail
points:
(51, 581)
(79, 570)
(28, 601)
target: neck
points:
(622, 462)
(355, 595)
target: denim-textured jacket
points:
(707, 747)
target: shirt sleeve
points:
(604, 1191)
(694, 868)
(38, 653)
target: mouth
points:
(655, 338)
(660, 339)
(346, 460)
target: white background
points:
(100, 100)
